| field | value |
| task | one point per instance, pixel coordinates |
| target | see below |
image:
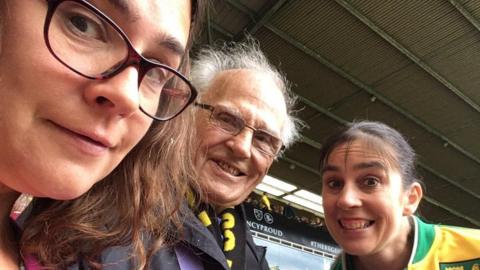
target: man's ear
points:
(412, 197)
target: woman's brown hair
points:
(137, 205)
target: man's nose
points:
(241, 144)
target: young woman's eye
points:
(371, 181)
(334, 184)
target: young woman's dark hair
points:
(398, 154)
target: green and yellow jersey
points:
(436, 247)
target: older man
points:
(243, 124)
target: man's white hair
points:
(209, 61)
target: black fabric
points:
(197, 238)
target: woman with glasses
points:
(85, 90)
(370, 194)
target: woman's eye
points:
(334, 184)
(371, 181)
(85, 27)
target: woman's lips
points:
(89, 143)
(355, 224)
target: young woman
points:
(81, 83)
(370, 194)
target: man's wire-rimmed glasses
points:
(231, 123)
(89, 43)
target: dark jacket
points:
(201, 241)
(198, 239)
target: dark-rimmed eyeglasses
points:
(90, 44)
(233, 124)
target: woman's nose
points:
(349, 198)
(117, 95)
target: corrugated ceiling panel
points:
(460, 63)
(437, 215)
(255, 5)
(295, 174)
(305, 154)
(228, 17)
(326, 28)
(421, 26)
(430, 148)
(412, 92)
(473, 6)
(312, 80)
(416, 92)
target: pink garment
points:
(29, 262)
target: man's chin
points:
(220, 201)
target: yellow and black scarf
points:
(228, 227)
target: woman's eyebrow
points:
(123, 6)
(172, 44)
(330, 168)
(358, 166)
(164, 40)
(370, 164)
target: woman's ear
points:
(412, 197)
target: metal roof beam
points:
(240, 7)
(221, 30)
(466, 13)
(301, 165)
(263, 18)
(209, 28)
(409, 54)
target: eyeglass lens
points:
(90, 45)
(232, 124)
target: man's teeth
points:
(355, 225)
(226, 167)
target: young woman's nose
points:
(348, 198)
(117, 95)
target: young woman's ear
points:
(413, 196)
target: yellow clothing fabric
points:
(266, 201)
(436, 247)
